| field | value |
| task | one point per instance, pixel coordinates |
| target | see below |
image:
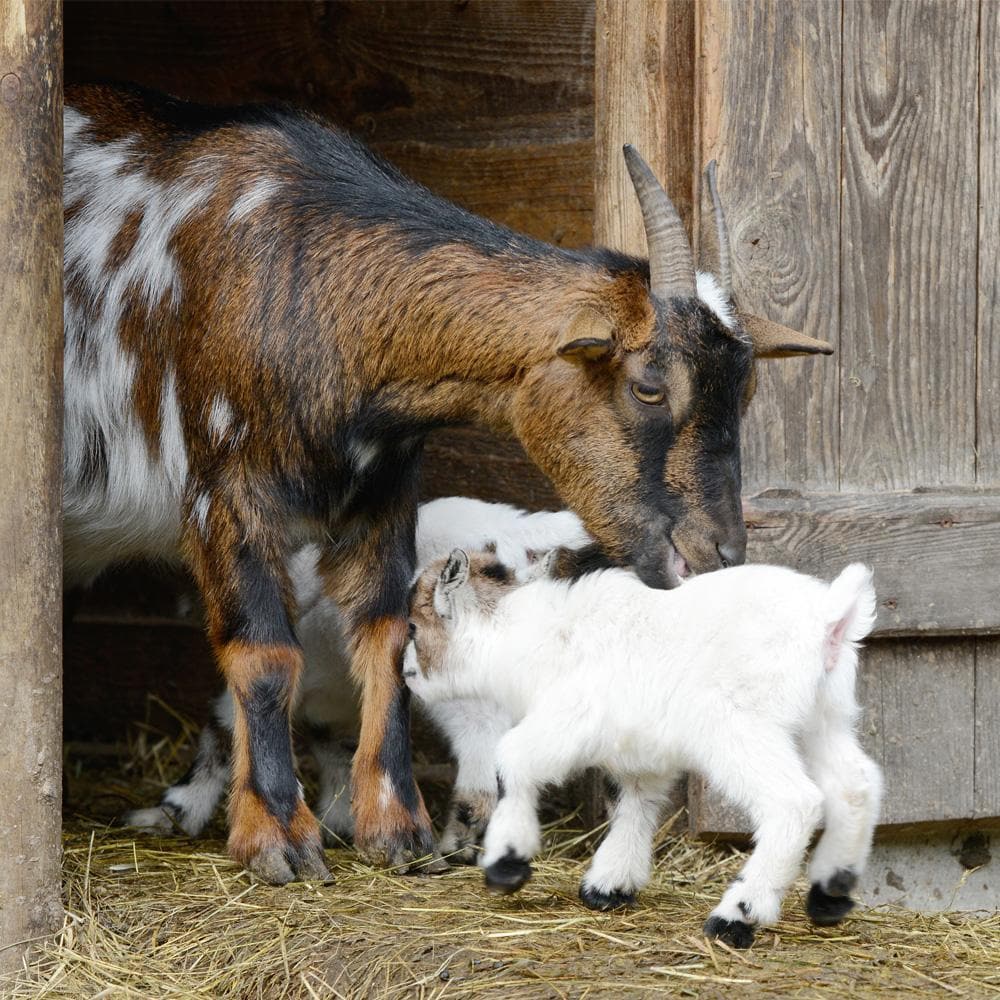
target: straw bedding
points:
(151, 918)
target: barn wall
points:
(856, 146)
(859, 141)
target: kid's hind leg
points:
(189, 804)
(474, 730)
(623, 862)
(768, 779)
(532, 754)
(851, 783)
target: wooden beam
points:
(31, 235)
(934, 552)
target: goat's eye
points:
(411, 630)
(648, 394)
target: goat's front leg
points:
(370, 580)
(537, 751)
(474, 729)
(623, 862)
(246, 593)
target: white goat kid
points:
(744, 675)
(327, 711)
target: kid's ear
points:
(454, 575)
(540, 565)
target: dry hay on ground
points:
(151, 919)
(162, 918)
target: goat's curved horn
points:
(671, 263)
(713, 250)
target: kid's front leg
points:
(474, 730)
(528, 757)
(623, 862)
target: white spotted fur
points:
(729, 676)
(711, 294)
(256, 196)
(138, 512)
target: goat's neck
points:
(453, 332)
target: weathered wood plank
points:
(644, 95)
(489, 104)
(934, 553)
(928, 722)
(908, 311)
(988, 380)
(987, 780)
(30, 456)
(473, 463)
(544, 189)
(769, 103)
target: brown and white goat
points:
(264, 320)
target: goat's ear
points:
(540, 565)
(772, 340)
(453, 576)
(587, 337)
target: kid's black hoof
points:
(824, 909)
(597, 900)
(508, 874)
(733, 932)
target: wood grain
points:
(987, 733)
(934, 553)
(30, 487)
(988, 351)
(769, 112)
(473, 463)
(928, 718)
(908, 327)
(643, 95)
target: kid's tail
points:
(850, 610)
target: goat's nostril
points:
(731, 555)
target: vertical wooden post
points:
(644, 94)
(31, 231)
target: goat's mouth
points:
(679, 566)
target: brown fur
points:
(327, 331)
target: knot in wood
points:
(10, 88)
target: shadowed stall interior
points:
(490, 105)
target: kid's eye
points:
(411, 630)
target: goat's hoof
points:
(616, 899)
(463, 835)
(407, 853)
(508, 874)
(407, 861)
(281, 865)
(826, 909)
(735, 933)
(156, 821)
